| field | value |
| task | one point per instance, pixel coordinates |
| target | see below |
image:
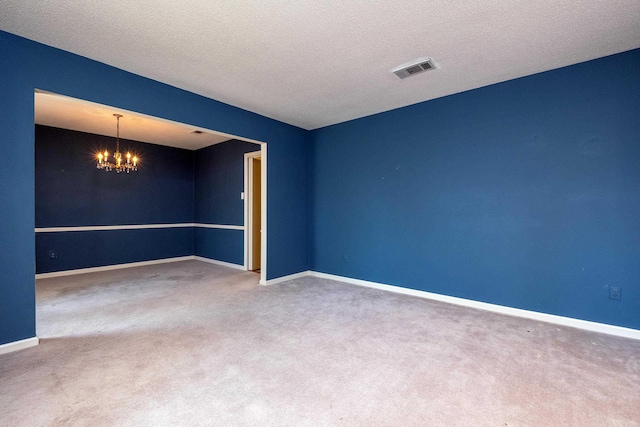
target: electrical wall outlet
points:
(53, 255)
(614, 293)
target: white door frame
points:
(247, 210)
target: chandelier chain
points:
(117, 133)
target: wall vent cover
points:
(414, 68)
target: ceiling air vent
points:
(414, 68)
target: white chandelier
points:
(130, 163)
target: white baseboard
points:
(219, 226)
(136, 264)
(510, 311)
(112, 267)
(18, 345)
(223, 263)
(285, 278)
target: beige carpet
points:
(190, 343)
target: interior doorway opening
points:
(254, 177)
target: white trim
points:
(223, 263)
(136, 264)
(263, 203)
(220, 226)
(510, 311)
(285, 278)
(18, 345)
(136, 227)
(245, 208)
(263, 219)
(112, 267)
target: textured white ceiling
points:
(313, 63)
(70, 113)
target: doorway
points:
(253, 177)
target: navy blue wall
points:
(83, 249)
(219, 244)
(71, 191)
(26, 66)
(218, 182)
(524, 193)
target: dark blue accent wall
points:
(219, 244)
(71, 191)
(524, 193)
(26, 65)
(218, 182)
(84, 249)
